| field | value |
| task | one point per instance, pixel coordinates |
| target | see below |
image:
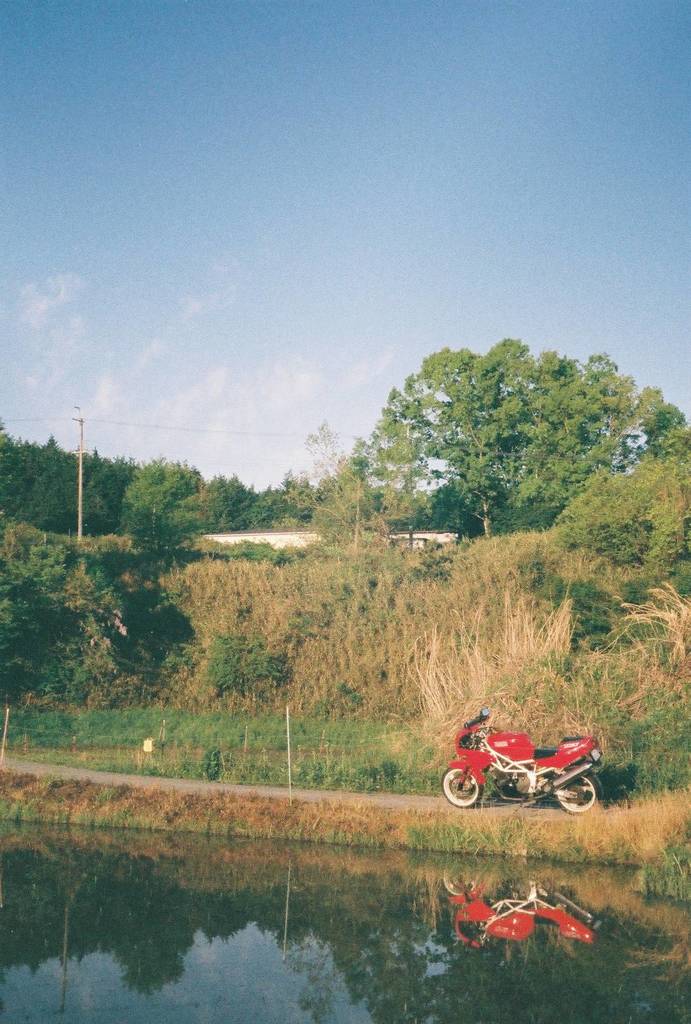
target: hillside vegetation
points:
(554, 640)
(565, 606)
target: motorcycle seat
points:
(541, 752)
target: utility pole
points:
(80, 472)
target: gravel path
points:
(391, 801)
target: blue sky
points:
(242, 219)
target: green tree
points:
(518, 436)
(161, 505)
(38, 485)
(636, 519)
(395, 463)
(228, 504)
(290, 505)
(582, 418)
(105, 483)
(344, 502)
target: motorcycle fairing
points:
(516, 746)
(471, 908)
(474, 761)
(516, 927)
(567, 753)
(569, 927)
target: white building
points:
(422, 538)
(301, 538)
(276, 538)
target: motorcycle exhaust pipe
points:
(564, 780)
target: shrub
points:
(239, 665)
(661, 749)
(639, 519)
(212, 764)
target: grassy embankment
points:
(540, 634)
(638, 835)
(345, 754)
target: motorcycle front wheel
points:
(460, 787)
(580, 795)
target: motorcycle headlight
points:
(596, 754)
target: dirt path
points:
(392, 801)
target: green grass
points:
(358, 756)
(671, 877)
(360, 773)
(129, 727)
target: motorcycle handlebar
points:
(484, 714)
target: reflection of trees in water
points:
(312, 958)
(354, 931)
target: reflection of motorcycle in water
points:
(476, 919)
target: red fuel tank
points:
(518, 746)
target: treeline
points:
(38, 485)
(472, 443)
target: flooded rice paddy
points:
(127, 928)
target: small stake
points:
(245, 744)
(290, 776)
(4, 735)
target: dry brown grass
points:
(636, 835)
(665, 621)
(367, 623)
(457, 671)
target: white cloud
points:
(65, 337)
(108, 399)
(253, 423)
(368, 368)
(218, 293)
(149, 355)
(288, 383)
(39, 302)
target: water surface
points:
(126, 928)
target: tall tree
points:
(517, 436)
(161, 505)
(228, 504)
(395, 464)
(105, 483)
(344, 500)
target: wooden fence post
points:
(290, 776)
(4, 736)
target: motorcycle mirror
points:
(485, 713)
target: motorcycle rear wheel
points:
(460, 787)
(580, 795)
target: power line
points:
(184, 430)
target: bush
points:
(660, 745)
(639, 519)
(212, 764)
(240, 665)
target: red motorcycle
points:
(521, 772)
(477, 919)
